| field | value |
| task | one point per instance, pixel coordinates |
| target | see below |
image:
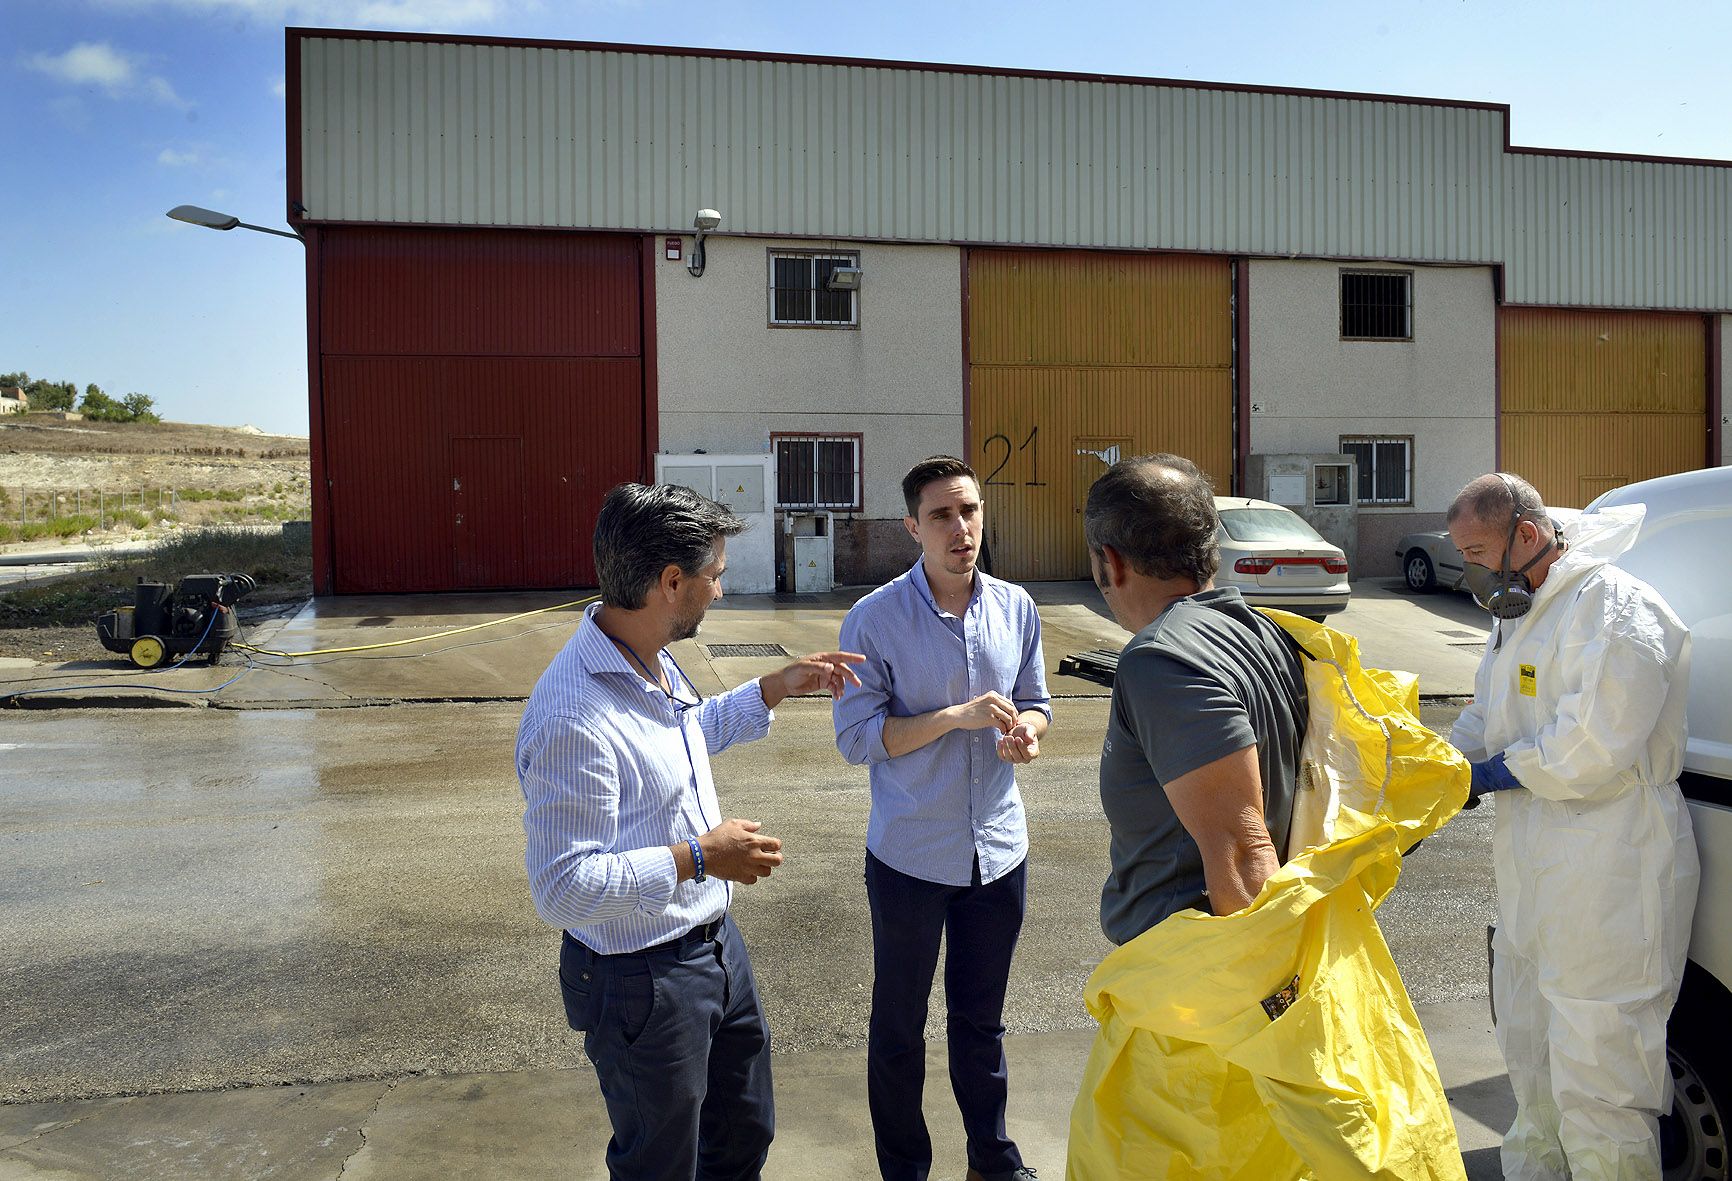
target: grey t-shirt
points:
(1209, 677)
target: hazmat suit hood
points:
(1594, 539)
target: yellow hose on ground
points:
(456, 631)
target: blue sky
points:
(116, 110)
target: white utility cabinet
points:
(742, 482)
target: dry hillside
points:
(166, 473)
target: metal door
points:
(1070, 348)
(433, 336)
(487, 511)
(1593, 400)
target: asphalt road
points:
(195, 899)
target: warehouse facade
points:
(1040, 272)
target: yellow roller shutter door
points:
(1078, 358)
(1594, 400)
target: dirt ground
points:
(115, 456)
(40, 454)
(56, 645)
(238, 473)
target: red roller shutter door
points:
(482, 390)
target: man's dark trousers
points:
(680, 1045)
(980, 925)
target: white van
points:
(1682, 550)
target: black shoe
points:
(1023, 1174)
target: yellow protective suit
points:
(1189, 1076)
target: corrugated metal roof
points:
(1618, 233)
(450, 132)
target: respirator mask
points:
(1506, 593)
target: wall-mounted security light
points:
(705, 221)
(843, 279)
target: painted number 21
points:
(1034, 480)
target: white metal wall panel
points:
(1618, 233)
(406, 131)
(531, 135)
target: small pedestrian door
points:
(487, 511)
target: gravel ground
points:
(59, 645)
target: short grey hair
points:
(1158, 513)
(1492, 498)
(645, 528)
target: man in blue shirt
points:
(953, 696)
(629, 852)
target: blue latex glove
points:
(1492, 775)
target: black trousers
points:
(680, 1045)
(980, 925)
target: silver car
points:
(1430, 560)
(1277, 559)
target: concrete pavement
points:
(407, 655)
(224, 905)
(551, 1122)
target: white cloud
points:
(421, 14)
(116, 73)
(160, 90)
(89, 64)
(280, 86)
(176, 158)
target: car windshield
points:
(1268, 524)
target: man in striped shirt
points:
(629, 852)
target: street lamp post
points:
(212, 220)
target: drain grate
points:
(716, 650)
(1466, 635)
(791, 598)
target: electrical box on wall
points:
(741, 487)
(742, 483)
(1319, 487)
(813, 538)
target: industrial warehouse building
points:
(510, 312)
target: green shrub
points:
(281, 566)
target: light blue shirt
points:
(613, 773)
(934, 810)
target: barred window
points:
(1376, 305)
(818, 472)
(1385, 467)
(800, 294)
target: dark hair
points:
(1491, 498)
(643, 529)
(930, 470)
(1158, 512)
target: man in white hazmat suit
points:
(1577, 724)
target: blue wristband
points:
(697, 860)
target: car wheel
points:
(1693, 1135)
(1418, 572)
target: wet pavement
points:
(311, 926)
(362, 650)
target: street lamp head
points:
(209, 218)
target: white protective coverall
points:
(1596, 863)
